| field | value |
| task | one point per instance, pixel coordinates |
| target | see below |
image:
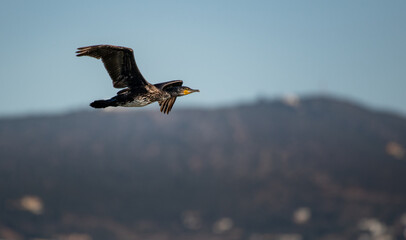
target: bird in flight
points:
(137, 92)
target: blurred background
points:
(299, 131)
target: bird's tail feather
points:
(103, 104)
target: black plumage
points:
(138, 92)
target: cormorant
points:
(120, 64)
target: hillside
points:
(318, 169)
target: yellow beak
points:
(186, 92)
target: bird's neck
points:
(173, 91)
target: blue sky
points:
(233, 51)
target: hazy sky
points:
(233, 51)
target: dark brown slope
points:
(136, 175)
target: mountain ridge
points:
(255, 165)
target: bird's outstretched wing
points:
(166, 105)
(119, 63)
(173, 83)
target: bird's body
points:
(120, 64)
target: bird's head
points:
(183, 90)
